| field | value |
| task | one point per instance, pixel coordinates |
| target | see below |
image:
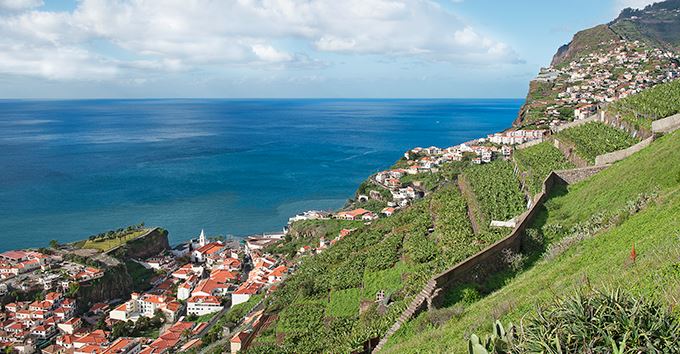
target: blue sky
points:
(284, 48)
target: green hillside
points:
(596, 138)
(657, 24)
(585, 42)
(329, 303)
(588, 231)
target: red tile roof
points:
(211, 248)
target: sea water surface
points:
(69, 169)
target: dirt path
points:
(473, 211)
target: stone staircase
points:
(412, 308)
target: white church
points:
(193, 244)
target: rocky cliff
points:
(120, 280)
(153, 243)
(115, 284)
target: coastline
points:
(249, 176)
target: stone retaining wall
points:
(528, 144)
(578, 174)
(576, 123)
(619, 155)
(619, 123)
(478, 267)
(666, 125)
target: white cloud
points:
(19, 5)
(177, 35)
(269, 54)
(635, 4)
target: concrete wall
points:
(619, 155)
(576, 123)
(666, 125)
(530, 143)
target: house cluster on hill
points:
(618, 69)
(203, 279)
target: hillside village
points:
(577, 89)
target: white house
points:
(244, 292)
(203, 305)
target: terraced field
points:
(609, 205)
(645, 107)
(536, 162)
(497, 189)
(596, 138)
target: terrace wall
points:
(528, 144)
(619, 123)
(576, 123)
(666, 125)
(569, 151)
(478, 267)
(659, 127)
(619, 155)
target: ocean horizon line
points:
(264, 98)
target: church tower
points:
(201, 239)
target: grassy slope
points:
(600, 261)
(107, 245)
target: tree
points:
(54, 244)
(101, 323)
(72, 289)
(119, 330)
(186, 334)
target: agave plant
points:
(500, 342)
(603, 322)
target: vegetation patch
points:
(141, 276)
(536, 162)
(497, 189)
(597, 322)
(344, 303)
(109, 240)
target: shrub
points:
(601, 322)
(514, 261)
(598, 322)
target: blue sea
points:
(69, 169)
